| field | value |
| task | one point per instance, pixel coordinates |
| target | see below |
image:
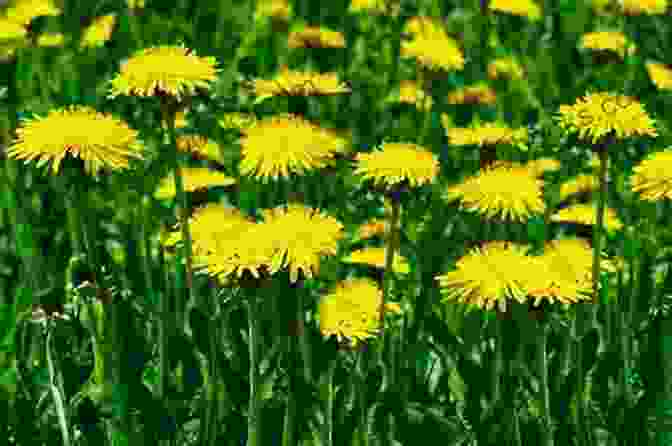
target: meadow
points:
(331, 223)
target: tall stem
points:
(392, 246)
(56, 386)
(597, 229)
(254, 410)
(542, 370)
(329, 410)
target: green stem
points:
(542, 370)
(597, 229)
(306, 352)
(56, 386)
(254, 409)
(498, 363)
(329, 410)
(392, 247)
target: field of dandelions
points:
(331, 223)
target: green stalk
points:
(391, 248)
(329, 409)
(597, 229)
(306, 352)
(164, 331)
(254, 409)
(542, 370)
(56, 387)
(498, 363)
(361, 384)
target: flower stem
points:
(597, 229)
(254, 409)
(542, 370)
(56, 386)
(392, 246)
(329, 410)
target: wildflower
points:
(194, 179)
(276, 9)
(479, 93)
(613, 41)
(302, 236)
(581, 184)
(411, 93)
(660, 74)
(281, 145)
(181, 120)
(542, 165)
(598, 114)
(523, 8)
(11, 31)
(351, 311)
(50, 40)
(315, 37)
(585, 214)
(99, 31)
(434, 52)
(425, 28)
(505, 68)
(651, 177)
(99, 140)
(23, 12)
(641, 7)
(397, 162)
(509, 190)
(375, 256)
(372, 228)
(488, 275)
(171, 70)
(487, 134)
(200, 146)
(297, 83)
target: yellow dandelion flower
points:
(181, 120)
(509, 190)
(298, 83)
(523, 8)
(434, 53)
(11, 31)
(505, 68)
(486, 134)
(641, 7)
(351, 311)
(425, 27)
(488, 275)
(614, 41)
(276, 9)
(651, 177)
(479, 93)
(585, 214)
(580, 184)
(98, 139)
(397, 162)
(281, 145)
(660, 74)
(194, 178)
(410, 93)
(171, 70)
(375, 256)
(50, 40)
(374, 7)
(540, 166)
(25, 11)
(372, 228)
(201, 147)
(598, 114)
(99, 31)
(303, 236)
(237, 120)
(315, 37)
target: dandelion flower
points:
(487, 134)
(372, 228)
(660, 74)
(411, 93)
(281, 145)
(652, 178)
(540, 166)
(424, 27)
(580, 184)
(298, 83)
(194, 178)
(11, 31)
(170, 70)
(506, 190)
(315, 37)
(25, 11)
(642, 7)
(479, 93)
(505, 68)
(99, 31)
(276, 9)
(614, 41)
(200, 146)
(375, 256)
(598, 114)
(397, 162)
(50, 40)
(434, 52)
(99, 140)
(585, 214)
(523, 8)
(488, 275)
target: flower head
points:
(642, 7)
(99, 31)
(523, 8)
(585, 214)
(374, 6)
(660, 74)
(375, 256)
(487, 134)
(171, 70)
(652, 178)
(580, 184)
(298, 83)
(194, 178)
(598, 114)
(372, 228)
(99, 140)
(11, 31)
(542, 165)
(281, 145)
(434, 52)
(505, 68)
(614, 41)
(276, 9)
(425, 27)
(397, 162)
(315, 37)
(479, 93)
(25, 11)
(200, 146)
(506, 190)
(411, 93)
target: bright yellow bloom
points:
(434, 52)
(298, 83)
(542, 165)
(509, 190)
(488, 275)
(580, 184)
(351, 311)
(276, 9)
(425, 28)
(373, 227)
(598, 114)
(652, 177)
(236, 120)
(282, 145)
(25, 11)
(505, 68)
(302, 236)
(487, 134)
(315, 37)
(660, 74)
(98, 139)
(50, 40)
(640, 7)
(608, 41)
(479, 93)
(171, 70)
(99, 31)
(201, 147)
(410, 93)
(11, 31)
(523, 8)
(135, 4)
(374, 256)
(586, 214)
(397, 162)
(194, 178)
(390, 7)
